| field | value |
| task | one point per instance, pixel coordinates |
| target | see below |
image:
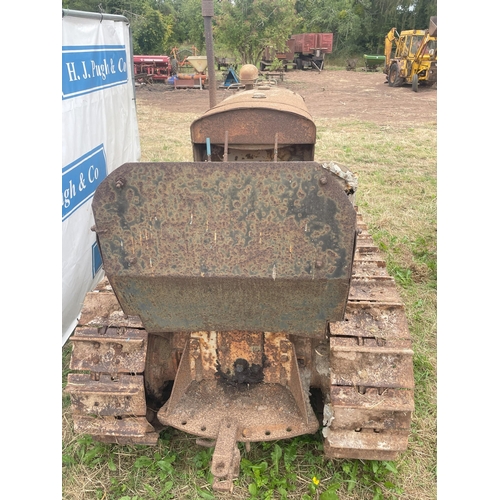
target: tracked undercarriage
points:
(363, 368)
(238, 289)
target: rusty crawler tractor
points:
(239, 288)
(415, 59)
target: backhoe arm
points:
(389, 38)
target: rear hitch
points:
(226, 457)
(260, 397)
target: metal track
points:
(370, 365)
(108, 396)
(371, 375)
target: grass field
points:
(396, 166)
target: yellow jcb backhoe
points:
(415, 59)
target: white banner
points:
(100, 133)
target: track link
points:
(371, 365)
(109, 354)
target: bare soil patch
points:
(339, 94)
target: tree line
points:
(243, 28)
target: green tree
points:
(347, 19)
(120, 7)
(402, 14)
(152, 33)
(245, 27)
(248, 26)
(361, 25)
(150, 20)
(187, 24)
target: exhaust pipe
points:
(207, 11)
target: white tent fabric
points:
(100, 133)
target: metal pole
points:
(94, 15)
(226, 144)
(207, 11)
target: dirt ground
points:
(342, 94)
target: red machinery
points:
(306, 50)
(156, 68)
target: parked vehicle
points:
(415, 59)
(306, 50)
(153, 68)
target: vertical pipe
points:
(131, 61)
(207, 11)
(276, 147)
(226, 144)
(209, 150)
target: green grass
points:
(176, 468)
(396, 167)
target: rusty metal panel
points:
(254, 126)
(364, 319)
(201, 401)
(373, 288)
(305, 42)
(162, 361)
(299, 42)
(147, 439)
(244, 346)
(365, 444)
(366, 245)
(310, 42)
(379, 409)
(370, 258)
(372, 426)
(107, 396)
(255, 117)
(227, 246)
(226, 456)
(137, 427)
(368, 268)
(289, 51)
(102, 309)
(263, 412)
(324, 41)
(389, 364)
(278, 362)
(278, 99)
(115, 350)
(204, 350)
